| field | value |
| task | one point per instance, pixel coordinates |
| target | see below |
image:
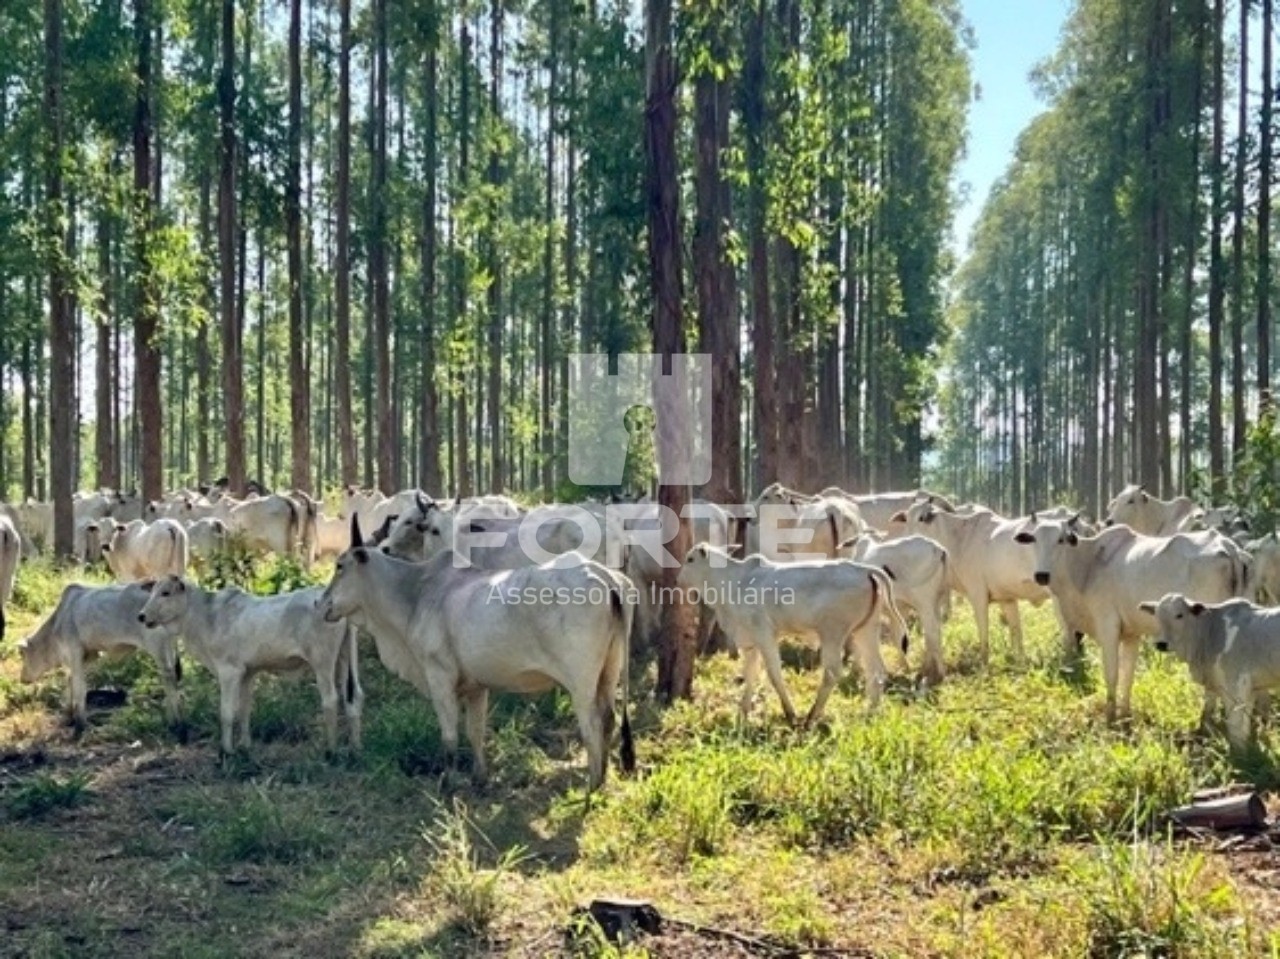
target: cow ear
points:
(898, 517)
(181, 584)
(361, 555)
(148, 584)
(1196, 608)
(1022, 536)
(1148, 608)
(356, 538)
(927, 515)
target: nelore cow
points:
(237, 636)
(93, 620)
(986, 564)
(1101, 581)
(1232, 649)
(1134, 507)
(140, 551)
(919, 567)
(10, 556)
(458, 633)
(757, 601)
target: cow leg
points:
(1239, 703)
(867, 643)
(750, 673)
(1128, 663)
(326, 682)
(773, 668)
(1108, 645)
(477, 713)
(229, 684)
(591, 726)
(1209, 711)
(168, 662)
(933, 669)
(1013, 620)
(831, 651)
(348, 680)
(444, 698)
(981, 617)
(1069, 637)
(244, 708)
(77, 690)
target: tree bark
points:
(1217, 443)
(104, 432)
(146, 327)
(342, 266)
(677, 644)
(232, 360)
(497, 468)
(1238, 425)
(61, 324)
(378, 263)
(299, 375)
(1264, 215)
(429, 426)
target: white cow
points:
(237, 636)
(140, 551)
(274, 523)
(93, 620)
(1266, 566)
(1232, 648)
(1101, 581)
(10, 556)
(986, 564)
(459, 633)
(829, 520)
(921, 581)
(1134, 507)
(206, 537)
(757, 601)
(878, 509)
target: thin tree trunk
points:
(61, 325)
(299, 375)
(429, 427)
(1217, 444)
(232, 362)
(1237, 254)
(762, 329)
(104, 434)
(342, 267)
(146, 346)
(1187, 364)
(497, 468)
(1264, 216)
(677, 644)
(378, 266)
(462, 478)
(546, 349)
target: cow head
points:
(39, 651)
(1046, 537)
(167, 603)
(1177, 621)
(344, 596)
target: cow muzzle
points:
(1042, 579)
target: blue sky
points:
(1012, 36)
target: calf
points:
(93, 620)
(756, 601)
(237, 636)
(461, 632)
(1134, 507)
(140, 551)
(1232, 648)
(921, 581)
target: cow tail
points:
(177, 665)
(946, 582)
(886, 585)
(833, 522)
(351, 677)
(622, 614)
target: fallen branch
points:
(1245, 811)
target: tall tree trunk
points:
(1264, 215)
(342, 268)
(204, 362)
(378, 263)
(104, 432)
(762, 327)
(429, 427)
(497, 469)
(546, 346)
(61, 322)
(146, 345)
(717, 295)
(232, 359)
(677, 643)
(462, 478)
(1217, 444)
(299, 375)
(1237, 249)
(1192, 249)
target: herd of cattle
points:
(474, 595)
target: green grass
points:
(998, 816)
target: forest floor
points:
(1000, 816)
